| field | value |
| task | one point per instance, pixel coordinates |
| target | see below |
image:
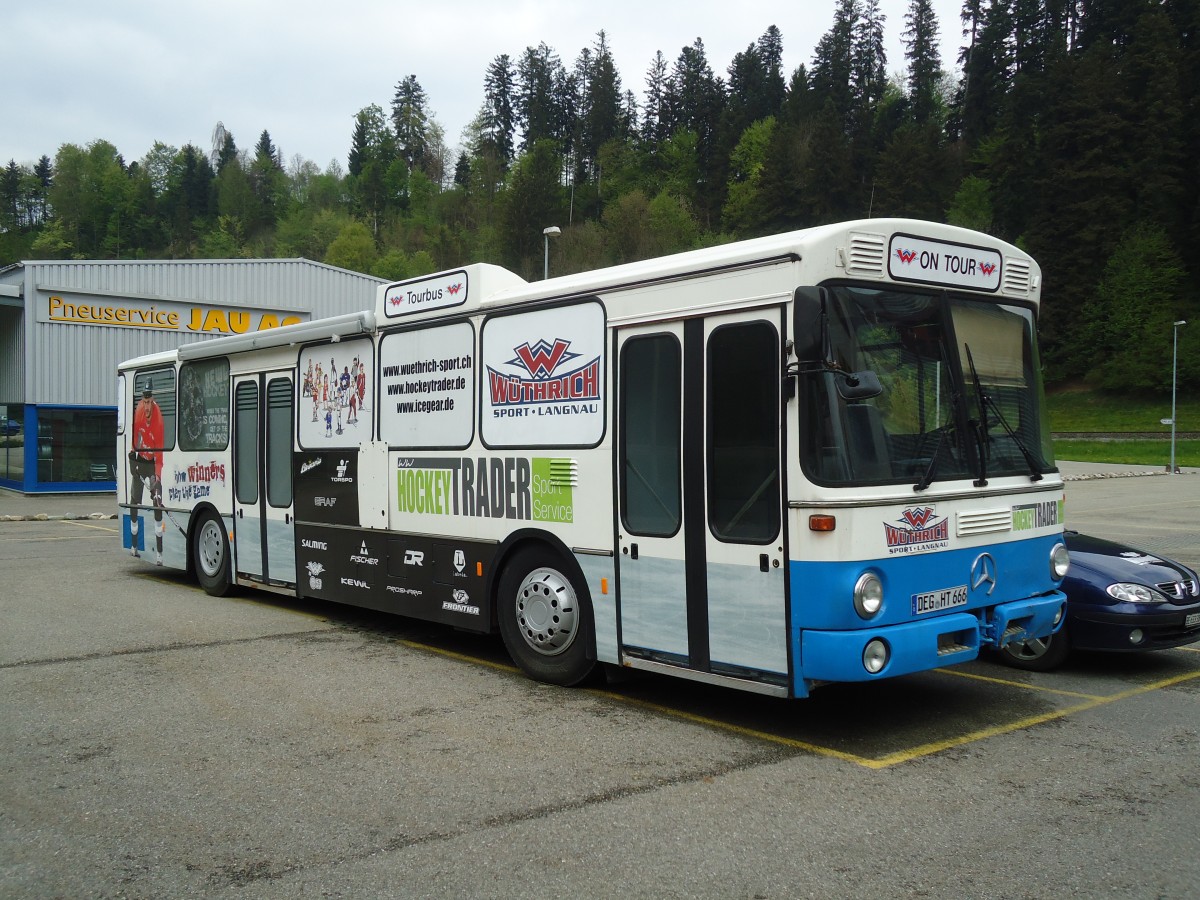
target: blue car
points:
(1118, 599)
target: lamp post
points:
(547, 233)
(1174, 363)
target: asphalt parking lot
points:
(158, 742)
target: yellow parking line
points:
(461, 657)
(110, 530)
(658, 708)
(980, 734)
(48, 540)
(1020, 684)
(737, 729)
(1092, 701)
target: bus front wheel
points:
(210, 552)
(544, 618)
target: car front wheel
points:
(1037, 654)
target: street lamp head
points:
(552, 231)
(1181, 322)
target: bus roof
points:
(859, 248)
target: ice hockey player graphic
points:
(145, 468)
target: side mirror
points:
(808, 336)
(857, 385)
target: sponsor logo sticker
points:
(1037, 515)
(460, 602)
(918, 530)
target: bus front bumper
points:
(890, 650)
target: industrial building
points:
(66, 324)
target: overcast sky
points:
(133, 72)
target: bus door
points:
(701, 559)
(264, 515)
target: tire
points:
(210, 554)
(1037, 655)
(544, 618)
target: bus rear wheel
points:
(544, 618)
(210, 553)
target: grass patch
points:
(1075, 409)
(1137, 453)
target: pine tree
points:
(12, 214)
(410, 120)
(1152, 68)
(266, 175)
(539, 94)
(655, 118)
(359, 149)
(988, 69)
(601, 120)
(833, 62)
(499, 119)
(695, 100)
(924, 61)
(43, 172)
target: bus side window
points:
(650, 435)
(743, 456)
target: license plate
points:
(1192, 620)
(935, 601)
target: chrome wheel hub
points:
(547, 612)
(211, 548)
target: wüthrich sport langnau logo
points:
(546, 379)
(918, 530)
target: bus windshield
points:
(961, 391)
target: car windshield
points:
(961, 391)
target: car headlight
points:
(1135, 593)
(1060, 561)
(868, 595)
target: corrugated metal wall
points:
(76, 364)
(12, 355)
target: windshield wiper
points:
(985, 400)
(980, 425)
(927, 478)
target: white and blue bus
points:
(816, 457)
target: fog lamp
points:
(875, 655)
(1136, 636)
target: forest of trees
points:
(1069, 127)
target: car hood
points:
(1121, 562)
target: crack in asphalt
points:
(161, 648)
(260, 870)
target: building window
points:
(75, 445)
(12, 442)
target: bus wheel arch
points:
(210, 552)
(543, 610)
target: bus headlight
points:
(1060, 561)
(875, 655)
(868, 595)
